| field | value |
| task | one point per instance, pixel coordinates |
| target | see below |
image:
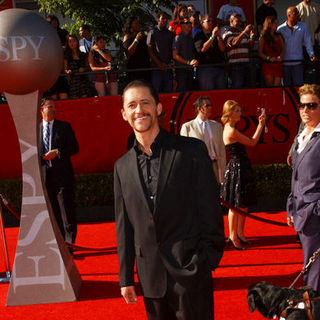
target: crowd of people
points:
(192, 53)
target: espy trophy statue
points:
(30, 61)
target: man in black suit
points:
(167, 213)
(57, 144)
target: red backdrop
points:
(102, 133)
(5, 4)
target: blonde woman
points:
(238, 185)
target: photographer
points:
(238, 44)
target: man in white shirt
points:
(210, 132)
(57, 145)
(86, 40)
(309, 14)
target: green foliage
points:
(106, 18)
(273, 179)
(11, 190)
(94, 190)
(97, 189)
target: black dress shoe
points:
(229, 241)
(243, 241)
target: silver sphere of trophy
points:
(30, 62)
(31, 55)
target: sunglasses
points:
(207, 105)
(310, 105)
(187, 22)
(207, 20)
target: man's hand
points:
(216, 32)
(162, 66)
(248, 28)
(50, 155)
(290, 221)
(313, 59)
(194, 63)
(129, 295)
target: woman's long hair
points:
(228, 107)
(176, 11)
(266, 30)
(127, 26)
(68, 50)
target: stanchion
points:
(5, 250)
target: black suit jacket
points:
(63, 139)
(184, 236)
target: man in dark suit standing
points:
(167, 213)
(303, 204)
(57, 144)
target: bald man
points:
(295, 35)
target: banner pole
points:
(5, 250)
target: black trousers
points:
(181, 304)
(62, 202)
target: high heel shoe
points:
(229, 241)
(245, 242)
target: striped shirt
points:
(239, 53)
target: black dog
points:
(271, 300)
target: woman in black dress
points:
(76, 62)
(136, 49)
(238, 185)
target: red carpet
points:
(273, 256)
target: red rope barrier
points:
(70, 245)
(80, 248)
(249, 215)
(6, 204)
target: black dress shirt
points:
(148, 166)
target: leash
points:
(68, 244)
(306, 267)
(296, 303)
(249, 215)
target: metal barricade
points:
(5, 250)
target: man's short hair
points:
(310, 89)
(235, 15)
(44, 100)
(199, 102)
(162, 13)
(85, 27)
(141, 84)
(205, 17)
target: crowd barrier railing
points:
(121, 68)
(255, 65)
(5, 250)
